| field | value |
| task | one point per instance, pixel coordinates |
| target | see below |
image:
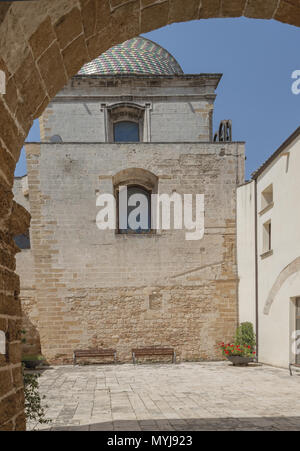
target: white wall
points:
(278, 281)
(246, 251)
(275, 327)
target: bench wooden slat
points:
(138, 352)
(94, 353)
(105, 351)
(154, 352)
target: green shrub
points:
(33, 400)
(245, 336)
(33, 358)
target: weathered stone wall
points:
(25, 270)
(11, 383)
(96, 288)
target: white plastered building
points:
(268, 248)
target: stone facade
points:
(82, 287)
(98, 288)
(177, 108)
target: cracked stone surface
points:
(162, 397)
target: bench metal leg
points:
(133, 358)
(74, 358)
(174, 357)
(290, 367)
(115, 357)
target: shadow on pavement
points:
(190, 424)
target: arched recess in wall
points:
(287, 272)
(136, 176)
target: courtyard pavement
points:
(162, 397)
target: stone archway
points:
(42, 44)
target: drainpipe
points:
(256, 268)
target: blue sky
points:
(257, 59)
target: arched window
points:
(134, 210)
(125, 122)
(133, 189)
(126, 131)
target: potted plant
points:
(32, 361)
(242, 351)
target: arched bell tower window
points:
(125, 122)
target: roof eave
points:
(273, 157)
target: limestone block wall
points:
(11, 381)
(25, 269)
(98, 288)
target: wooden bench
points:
(295, 365)
(94, 353)
(142, 352)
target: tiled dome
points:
(136, 56)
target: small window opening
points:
(267, 237)
(2, 343)
(23, 240)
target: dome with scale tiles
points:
(138, 56)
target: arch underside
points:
(288, 271)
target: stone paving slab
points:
(162, 397)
